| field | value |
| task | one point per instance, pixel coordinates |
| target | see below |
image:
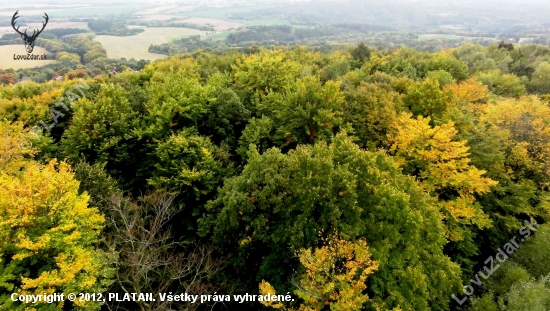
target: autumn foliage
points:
(45, 220)
(334, 275)
(210, 172)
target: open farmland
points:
(7, 61)
(137, 46)
(220, 35)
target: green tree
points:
(305, 112)
(534, 255)
(280, 202)
(540, 81)
(528, 295)
(259, 133)
(504, 85)
(102, 131)
(176, 100)
(259, 73)
(371, 109)
(186, 164)
(226, 118)
(427, 99)
(360, 53)
(69, 60)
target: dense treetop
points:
(247, 167)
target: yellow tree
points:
(525, 123)
(442, 164)
(467, 92)
(47, 231)
(259, 73)
(521, 129)
(15, 148)
(334, 276)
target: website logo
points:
(29, 40)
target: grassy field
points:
(220, 35)
(137, 46)
(7, 60)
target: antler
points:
(13, 23)
(47, 18)
(34, 34)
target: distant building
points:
(57, 78)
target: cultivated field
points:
(137, 46)
(220, 35)
(7, 61)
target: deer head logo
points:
(29, 40)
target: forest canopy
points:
(357, 179)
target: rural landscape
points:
(275, 155)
